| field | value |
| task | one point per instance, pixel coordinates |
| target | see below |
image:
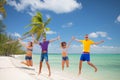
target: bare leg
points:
(63, 62)
(92, 66)
(40, 68)
(48, 66)
(31, 63)
(80, 67)
(26, 62)
(67, 63)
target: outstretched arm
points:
(70, 42)
(76, 39)
(23, 44)
(55, 39)
(96, 43)
(34, 40)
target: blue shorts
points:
(28, 57)
(44, 56)
(65, 58)
(85, 57)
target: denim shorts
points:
(28, 57)
(65, 58)
(44, 56)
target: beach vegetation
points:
(2, 9)
(9, 49)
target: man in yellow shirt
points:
(86, 52)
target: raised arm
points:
(76, 39)
(96, 43)
(70, 42)
(34, 40)
(55, 39)
(20, 41)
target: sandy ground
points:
(12, 69)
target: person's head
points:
(30, 44)
(86, 37)
(63, 44)
(44, 39)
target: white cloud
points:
(117, 19)
(102, 34)
(78, 48)
(67, 25)
(48, 16)
(51, 32)
(105, 49)
(15, 34)
(31, 13)
(57, 6)
(109, 38)
(99, 34)
(1, 17)
(93, 35)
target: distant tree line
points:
(7, 49)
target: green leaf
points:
(47, 29)
(47, 22)
(38, 26)
(34, 24)
(26, 33)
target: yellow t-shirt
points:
(86, 45)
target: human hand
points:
(58, 38)
(73, 38)
(102, 41)
(19, 39)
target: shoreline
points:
(14, 70)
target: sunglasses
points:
(64, 45)
(86, 37)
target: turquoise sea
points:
(108, 65)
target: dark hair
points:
(31, 44)
(63, 43)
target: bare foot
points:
(24, 63)
(39, 73)
(79, 73)
(95, 69)
(49, 74)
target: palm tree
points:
(38, 27)
(3, 13)
(2, 9)
(2, 27)
(9, 49)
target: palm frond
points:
(26, 33)
(38, 27)
(47, 29)
(34, 24)
(37, 17)
(47, 22)
(38, 34)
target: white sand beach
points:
(12, 69)
(8, 71)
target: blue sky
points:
(98, 18)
